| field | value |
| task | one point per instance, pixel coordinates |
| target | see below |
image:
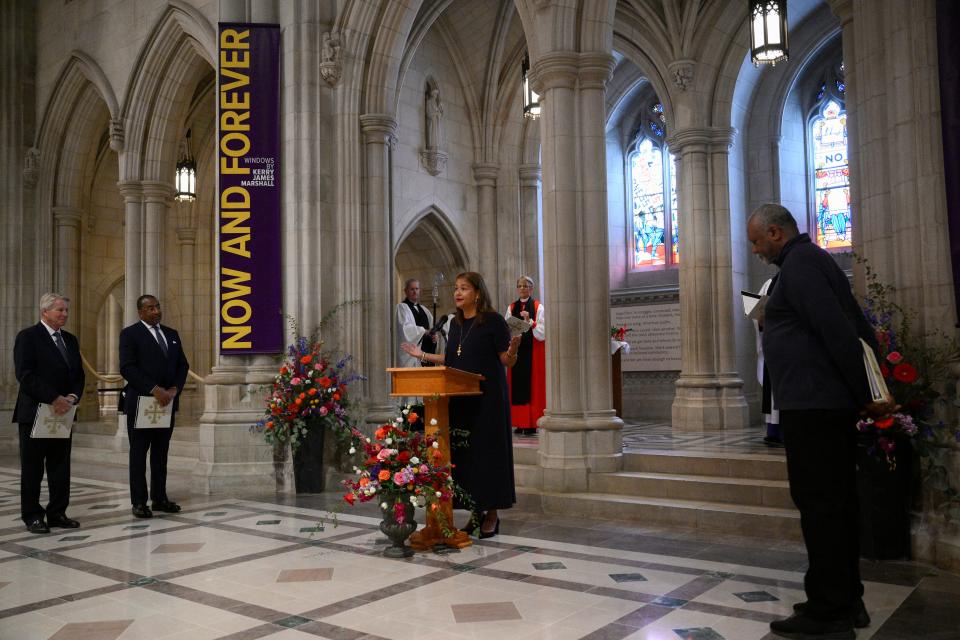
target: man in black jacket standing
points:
(153, 364)
(812, 326)
(49, 370)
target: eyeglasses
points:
(523, 286)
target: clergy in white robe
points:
(414, 323)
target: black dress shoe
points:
(166, 506)
(62, 521)
(142, 511)
(38, 526)
(860, 618)
(483, 535)
(799, 626)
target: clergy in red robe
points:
(527, 378)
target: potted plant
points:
(309, 396)
(402, 470)
(915, 368)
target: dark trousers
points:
(35, 455)
(821, 448)
(157, 441)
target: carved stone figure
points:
(330, 66)
(434, 119)
(31, 167)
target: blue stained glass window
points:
(841, 87)
(658, 108)
(831, 176)
(656, 128)
(821, 92)
(655, 228)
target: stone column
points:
(186, 298)
(581, 431)
(114, 314)
(132, 193)
(530, 223)
(66, 280)
(18, 291)
(376, 263)
(157, 197)
(709, 390)
(485, 175)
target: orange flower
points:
(383, 475)
(269, 425)
(336, 396)
(306, 359)
(364, 482)
(302, 396)
(325, 382)
(312, 391)
(412, 417)
(380, 433)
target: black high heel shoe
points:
(489, 534)
(474, 523)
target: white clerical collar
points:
(524, 299)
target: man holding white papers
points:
(155, 368)
(811, 344)
(50, 373)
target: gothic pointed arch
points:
(177, 54)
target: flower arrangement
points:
(619, 333)
(400, 467)
(915, 369)
(309, 391)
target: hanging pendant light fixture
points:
(768, 31)
(186, 173)
(531, 99)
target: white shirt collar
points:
(49, 329)
(149, 327)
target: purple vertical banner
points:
(248, 152)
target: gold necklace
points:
(464, 337)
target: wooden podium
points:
(436, 385)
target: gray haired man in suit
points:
(49, 370)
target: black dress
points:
(484, 462)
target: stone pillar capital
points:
(530, 174)
(155, 191)
(66, 216)
(843, 9)
(131, 190)
(485, 174)
(378, 127)
(555, 70)
(702, 139)
(595, 69)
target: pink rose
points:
(894, 357)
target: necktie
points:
(62, 347)
(160, 340)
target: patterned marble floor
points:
(279, 568)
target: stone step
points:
(727, 465)
(744, 491)
(745, 520)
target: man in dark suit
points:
(812, 327)
(49, 370)
(153, 364)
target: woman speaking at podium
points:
(478, 341)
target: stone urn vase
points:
(398, 532)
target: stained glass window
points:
(831, 175)
(655, 229)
